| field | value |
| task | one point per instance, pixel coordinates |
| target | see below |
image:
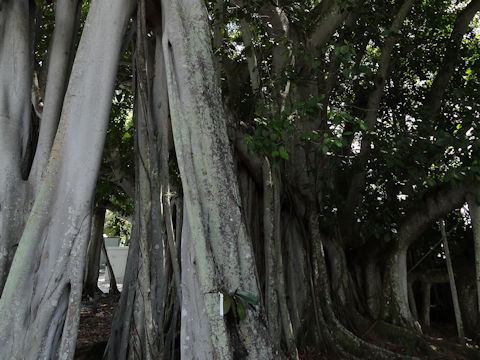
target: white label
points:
(221, 304)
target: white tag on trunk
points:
(221, 303)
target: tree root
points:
(431, 346)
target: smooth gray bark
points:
(94, 251)
(336, 337)
(426, 291)
(45, 280)
(146, 334)
(15, 84)
(453, 286)
(395, 289)
(474, 208)
(146, 301)
(117, 345)
(412, 302)
(270, 232)
(297, 274)
(373, 287)
(61, 53)
(216, 252)
(113, 289)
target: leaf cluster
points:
(238, 302)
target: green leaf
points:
(275, 153)
(242, 315)
(248, 297)
(338, 142)
(227, 303)
(457, 175)
(347, 117)
(283, 153)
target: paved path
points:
(105, 285)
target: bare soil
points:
(95, 322)
(96, 319)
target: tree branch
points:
(430, 209)
(452, 54)
(357, 183)
(279, 32)
(331, 18)
(247, 37)
(251, 160)
(321, 9)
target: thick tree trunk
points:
(146, 335)
(467, 295)
(395, 290)
(373, 287)
(15, 85)
(216, 252)
(45, 280)
(278, 315)
(149, 305)
(297, 275)
(67, 13)
(117, 346)
(474, 208)
(426, 291)
(113, 288)
(93, 252)
(335, 336)
(412, 302)
(271, 228)
(453, 285)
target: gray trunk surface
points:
(216, 252)
(94, 251)
(45, 281)
(475, 218)
(453, 286)
(15, 84)
(61, 51)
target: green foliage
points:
(270, 135)
(272, 132)
(116, 226)
(238, 302)
(410, 151)
(117, 160)
(44, 35)
(108, 194)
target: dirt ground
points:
(95, 323)
(96, 318)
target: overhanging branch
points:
(430, 209)
(452, 54)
